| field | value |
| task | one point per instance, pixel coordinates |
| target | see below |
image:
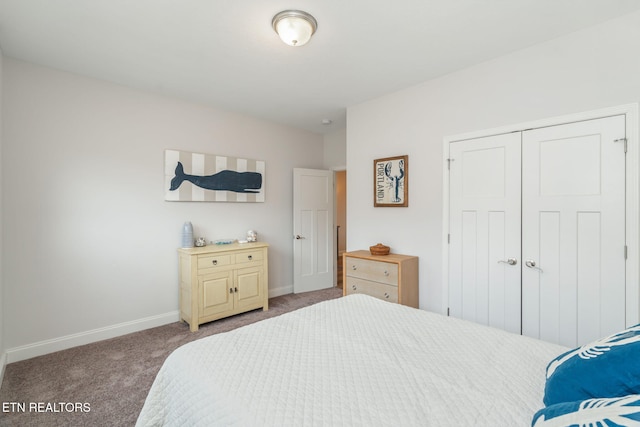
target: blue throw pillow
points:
(609, 367)
(618, 411)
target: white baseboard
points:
(49, 346)
(284, 290)
(3, 364)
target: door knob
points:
(532, 264)
(510, 261)
(298, 237)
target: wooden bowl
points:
(379, 249)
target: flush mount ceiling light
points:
(294, 27)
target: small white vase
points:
(187, 235)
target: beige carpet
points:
(111, 378)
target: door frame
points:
(336, 250)
(632, 213)
(295, 230)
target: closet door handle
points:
(532, 264)
(510, 261)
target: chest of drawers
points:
(390, 277)
(222, 280)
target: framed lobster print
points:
(391, 182)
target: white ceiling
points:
(224, 53)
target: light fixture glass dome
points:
(294, 27)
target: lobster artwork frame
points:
(391, 182)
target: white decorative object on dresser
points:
(217, 281)
(391, 277)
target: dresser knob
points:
(353, 267)
(230, 290)
(386, 273)
(354, 287)
(215, 262)
(386, 295)
(250, 257)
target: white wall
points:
(591, 69)
(335, 158)
(89, 241)
(335, 149)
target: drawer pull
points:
(354, 287)
(386, 273)
(250, 257)
(386, 295)
(353, 267)
(214, 262)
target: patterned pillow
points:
(618, 411)
(609, 367)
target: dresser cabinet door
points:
(217, 293)
(249, 282)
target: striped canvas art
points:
(197, 177)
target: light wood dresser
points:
(390, 277)
(217, 281)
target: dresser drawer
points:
(212, 261)
(383, 272)
(248, 257)
(374, 289)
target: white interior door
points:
(573, 278)
(313, 256)
(484, 246)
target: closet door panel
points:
(573, 198)
(485, 231)
(589, 274)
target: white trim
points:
(631, 112)
(445, 225)
(3, 365)
(633, 217)
(62, 343)
(282, 290)
(336, 250)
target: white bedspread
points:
(354, 361)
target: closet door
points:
(573, 231)
(484, 246)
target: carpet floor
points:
(106, 383)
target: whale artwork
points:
(211, 178)
(240, 182)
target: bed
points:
(355, 361)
